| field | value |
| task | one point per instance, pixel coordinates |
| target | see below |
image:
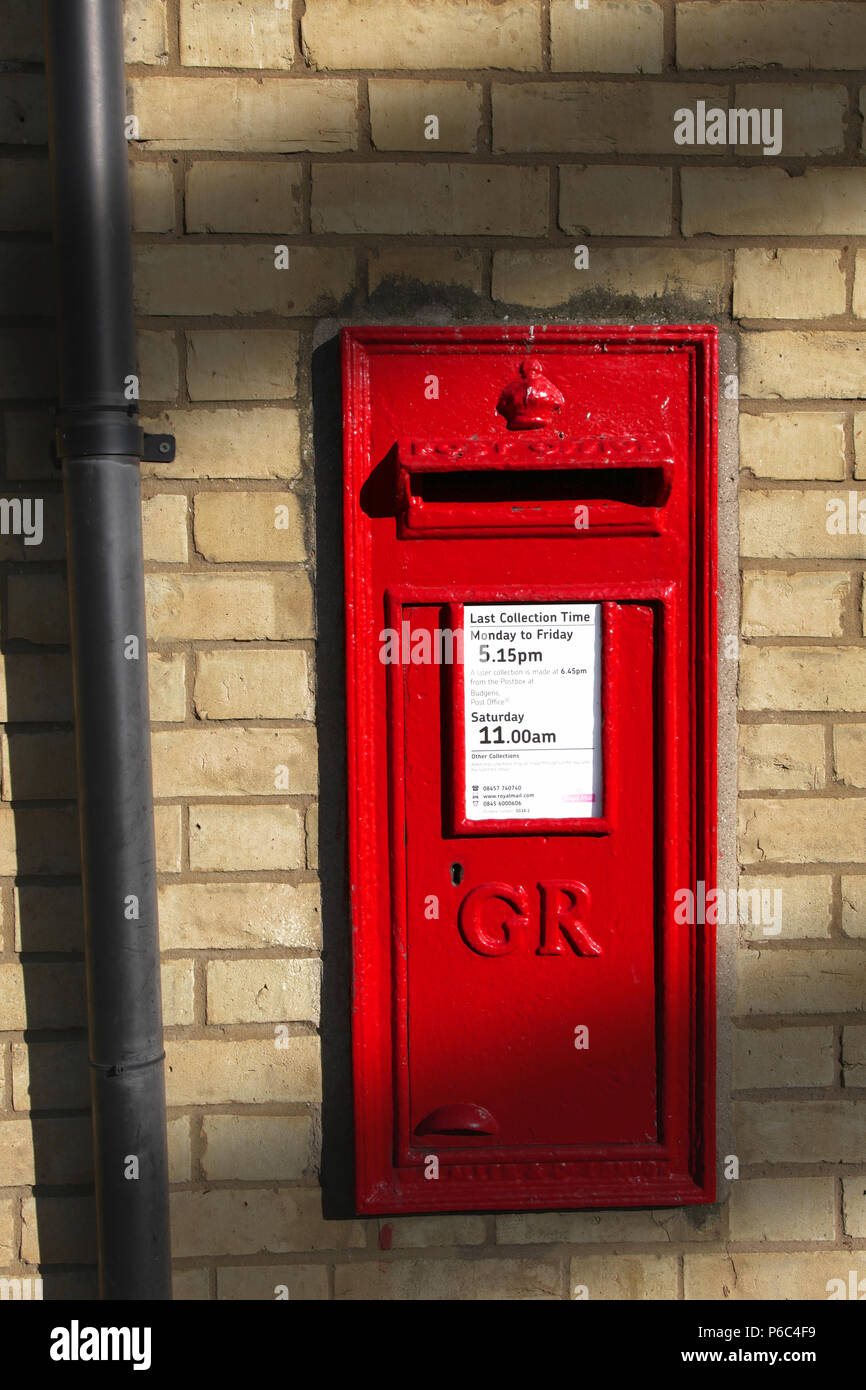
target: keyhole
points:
(456, 874)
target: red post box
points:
(531, 651)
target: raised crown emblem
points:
(530, 401)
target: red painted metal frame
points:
(680, 1167)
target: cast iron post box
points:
(531, 652)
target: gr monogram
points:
(495, 919)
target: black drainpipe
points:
(100, 444)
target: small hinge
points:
(158, 448)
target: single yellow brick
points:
(792, 906)
(38, 766)
(241, 364)
(235, 34)
(854, 1207)
(13, 1006)
(777, 603)
(798, 982)
(50, 1076)
(430, 266)
(256, 1148)
(849, 754)
(53, 997)
(58, 1230)
(230, 608)
(151, 188)
(803, 678)
(860, 446)
(799, 444)
(772, 202)
(302, 1283)
(854, 1055)
(166, 824)
(606, 1227)
(745, 1276)
(615, 200)
(226, 280)
(790, 33)
(594, 117)
(809, 830)
(223, 442)
(765, 1058)
(270, 114)
(256, 684)
(61, 1150)
(253, 1072)
(263, 991)
(415, 34)
(179, 1150)
(8, 1241)
(244, 196)
(502, 1280)
(854, 905)
(190, 1285)
(231, 916)
(313, 836)
(226, 762)
(422, 1232)
(157, 358)
(177, 991)
(547, 279)
(39, 841)
(225, 1222)
(48, 918)
(618, 36)
(781, 757)
(859, 303)
(35, 687)
(167, 687)
(145, 31)
(257, 526)
(792, 364)
(430, 199)
(163, 524)
(812, 121)
(412, 115)
(793, 1131)
(788, 284)
(245, 837)
(626, 1278)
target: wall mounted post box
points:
(531, 652)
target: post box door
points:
(529, 959)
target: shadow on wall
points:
(50, 1074)
(337, 1141)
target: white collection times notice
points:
(532, 717)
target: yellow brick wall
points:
(263, 124)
